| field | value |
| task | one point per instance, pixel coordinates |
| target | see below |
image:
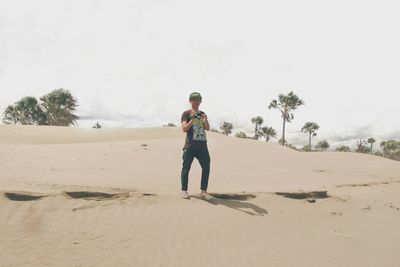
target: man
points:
(195, 124)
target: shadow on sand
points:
(237, 203)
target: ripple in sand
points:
(94, 195)
(304, 195)
(22, 196)
(241, 197)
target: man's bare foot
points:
(205, 195)
(185, 195)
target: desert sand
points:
(110, 197)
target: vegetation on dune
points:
(322, 145)
(343, 148)
(286, 104)
(391, 149)
(311, 129)
(306, 148)
(291, 146)
(362, 147)
(26, 111)
(371, 141)
(55, 108)
(257, 121)
(97, 125)
(241, 135)
(268, 133)
(58, 107)
(170, 124)
(226, 128)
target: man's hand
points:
(186, 125)
(204, 117)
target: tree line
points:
(55, 108)
(58, 106)
(287, 105)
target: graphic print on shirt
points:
(199, 131)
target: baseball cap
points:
(194, 95)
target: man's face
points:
(195, 102)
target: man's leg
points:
(204, 159)
(187, 157)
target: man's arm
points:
(206, 124)
(186, 125)
(186, 121)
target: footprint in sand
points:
(367, 209)
(342, 234)
(390, 205)
(342, 198)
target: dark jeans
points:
(203, 156)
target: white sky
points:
(133, 63)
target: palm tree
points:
(226, 128)
(286, 104)
(322, 145)
(55, 108)
(310, 128)
(58, 106)
(257, 121)
(371, 141)
(26, 111)
(361, 146)
(268, 133)
(11, 115)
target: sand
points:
(110, 197)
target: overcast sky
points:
(133, 63)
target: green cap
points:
(194, 95)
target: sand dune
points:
(85, 197)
